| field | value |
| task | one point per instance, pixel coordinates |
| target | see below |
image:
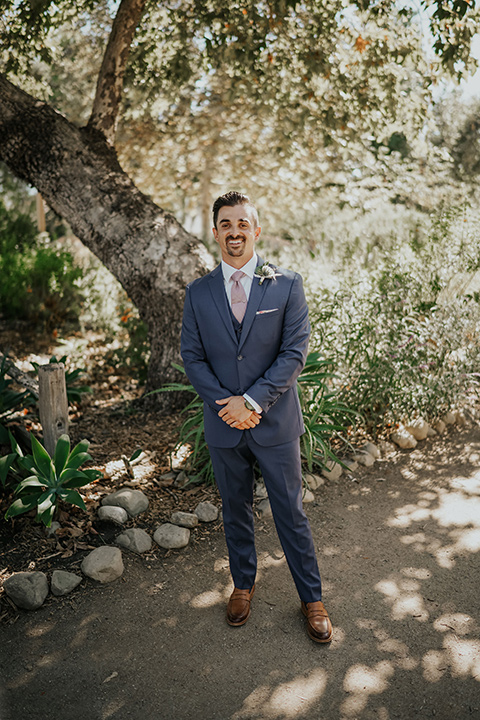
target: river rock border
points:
(104, 564)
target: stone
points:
(136, 540)
(372, 450)
(386, 448)
(104, 564)
(418, 428)
(133, 501)
(404, 439)
(351, 464)
(206, 512)
(260, 490)
(171, 537)
(431, 432)
(332, 470)
(264, 508)
(181, 480)
(314, 481)
(449, 418)
(460, 418)
(113, 513)
(308, 496)
(169, 476)
(64, 582)
(184, 519)
(28, 590)
(50, 531)
(364, 458)
(440, 426)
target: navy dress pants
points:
(281, 470)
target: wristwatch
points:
(249, 406)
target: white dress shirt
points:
(246, 281)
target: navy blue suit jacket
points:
(264, 362)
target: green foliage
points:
(74, 391)
(11, 400)
(135, 352)
(50, 480)
(191, 432)
(323, 415)
(403, 335)
(38, 277)
(9, 463)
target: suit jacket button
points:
(239, 357)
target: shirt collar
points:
(248, 268)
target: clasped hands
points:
(235, 414)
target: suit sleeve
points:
(289, 363)
(197, 367)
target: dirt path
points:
(400, 562)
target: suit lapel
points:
(256, 294)
(217, 288)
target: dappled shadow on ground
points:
(399, 554)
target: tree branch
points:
(79, 176)
(109, 90)
(19, 376)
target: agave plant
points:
(51, 479)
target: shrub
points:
(322, 413)
(39, 278)
(404, 336)
(10, 401)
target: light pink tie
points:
(239, 298)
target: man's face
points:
(236, 234)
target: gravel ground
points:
(398, 548)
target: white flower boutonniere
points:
(265, 272)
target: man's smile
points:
(235, 243)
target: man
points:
(244, 342)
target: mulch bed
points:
(116, 425)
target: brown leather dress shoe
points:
(319, 627)
(238, 608)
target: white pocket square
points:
(263, 312)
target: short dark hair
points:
(231, 199)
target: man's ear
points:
(215, 233)
(258, 230)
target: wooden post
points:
(53, 403)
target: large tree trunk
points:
(79, 176)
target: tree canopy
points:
(281, 96)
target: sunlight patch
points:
(288, 700)
(418, 573)
(404, 601)
(362, 681)
(458, 509)
(207, 599)
(464, 656)
(459, 623)
(468, 540)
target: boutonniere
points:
(265, 272)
